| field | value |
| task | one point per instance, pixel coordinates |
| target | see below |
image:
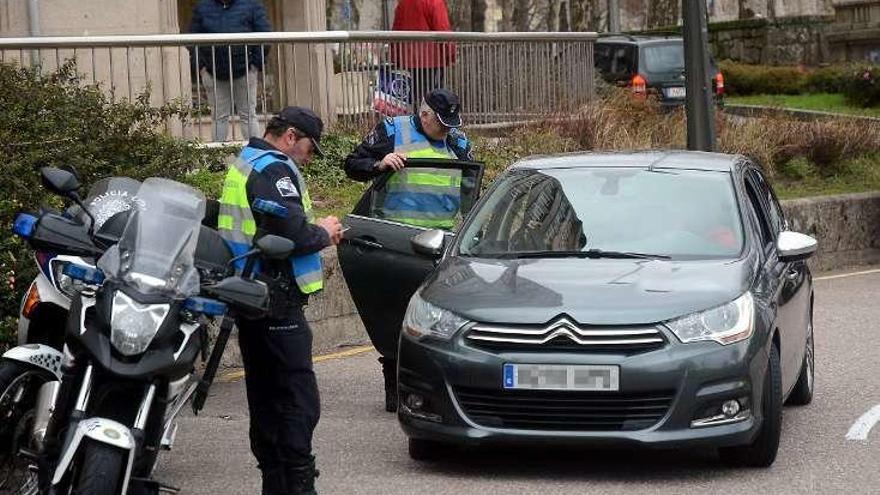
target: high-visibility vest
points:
(236, 223)
(425, 196)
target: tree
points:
(585, 15)
(663, 13)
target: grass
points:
(800, 178)
(824, 102)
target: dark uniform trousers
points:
(282, 398)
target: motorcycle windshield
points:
(107, 197)
(157, 249)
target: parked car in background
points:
(652, 66)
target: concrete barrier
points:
(847, 226)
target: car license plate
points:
(676, 92)
(562, 377)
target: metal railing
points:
(349, 78)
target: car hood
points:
(591, 291)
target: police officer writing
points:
(281, 388)
(428, 197)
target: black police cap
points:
(305, 121)
(447, 106)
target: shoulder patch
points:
(286, 188)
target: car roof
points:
(682, 160)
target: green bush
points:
(744, 79)
(862, 87)
(830, 79)
(56, 119)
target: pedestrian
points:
(277, 349)
(426, 197)
(424, 60)
(229, 73)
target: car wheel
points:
(762, 451)
(426, 450)
(802, 394)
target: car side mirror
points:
(60, 182)
(275, 247)
(429, 243)
(794, 246)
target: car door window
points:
(775, 215)
(603, 58)
(623, 60)
(760, 215)
(429, 193)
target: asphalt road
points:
(361, 449)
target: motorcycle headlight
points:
(63, 282)
(423, 319)
(726, 324)
(134, 325)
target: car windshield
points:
(663, 57)
(618, 212)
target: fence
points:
(347, 77)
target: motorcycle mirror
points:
(60, 182)
(275, 247)
(64, 183)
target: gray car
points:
(655, 299)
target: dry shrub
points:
(774, 141)
(620, 122)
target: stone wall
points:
(788, 41)
(847, 227)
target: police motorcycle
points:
(127, 368)
(44, 307)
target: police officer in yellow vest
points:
(276, 350)
(426, 197)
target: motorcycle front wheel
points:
(19, 385)
(101, 470)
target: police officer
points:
(426, 197)
(276, 349)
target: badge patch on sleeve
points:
(286, 188)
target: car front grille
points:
(544, 410)
(565, 335)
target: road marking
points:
(239, 374)
(862, 427)
(845, 275)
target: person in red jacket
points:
(425, 61)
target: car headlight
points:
(726, 324)
(423, 319)
(133, 325)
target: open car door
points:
(378, 262)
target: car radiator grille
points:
(565, 335)
(563, 411)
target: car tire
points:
(426, 450)
(762, 451)
(802, 394)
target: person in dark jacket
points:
(276, 350)
(376, 154)
(431, 133)
(229, 73)
(424, 60)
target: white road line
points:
(845, 275)
(862, 427)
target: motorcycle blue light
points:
(91, 276)
(270, 208)
(208, 307)
(24, 225)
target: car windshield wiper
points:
(589, 253)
